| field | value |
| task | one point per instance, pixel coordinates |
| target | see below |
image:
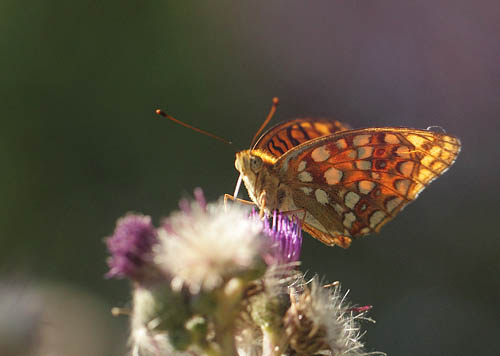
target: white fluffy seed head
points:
(321, 315)
(202, 247)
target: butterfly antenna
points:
(266, 121)
(167, 116)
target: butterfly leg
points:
(248, 202)
(296, 213)
(243, 201)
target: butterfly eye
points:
(255, 164)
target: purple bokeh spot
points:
(130, 245)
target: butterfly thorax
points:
(256, 168)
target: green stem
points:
(271, 343)
(210, 350)
(225, 316)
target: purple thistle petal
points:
(200, 198)
(285, 236)
(359, 310)
(185, 204)
(130, 246)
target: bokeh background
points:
(80, 146)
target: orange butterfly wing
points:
(353, 182)
(286, 135)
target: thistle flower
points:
(204, 245)
(222, 282)
(285, 236)
(318, 320)
(131, 246)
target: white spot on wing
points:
(366, 186)
(376, 218)
(361, 140)
(306, 190)
(302, 166)
(320, 154)
(393, 204)
(406, 168)
(333, 175)
(351, 199)
(402, 186)
(305, 177)
(363, 165)
(349, 218)
(341, 144)
(321, 196)
(365, 152)
(403, 151)
(391, 139)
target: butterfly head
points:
(250, 164)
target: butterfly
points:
(343, 183)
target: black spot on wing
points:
(304, 132)
(273, 148)
(292, 139)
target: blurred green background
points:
(80, 144)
